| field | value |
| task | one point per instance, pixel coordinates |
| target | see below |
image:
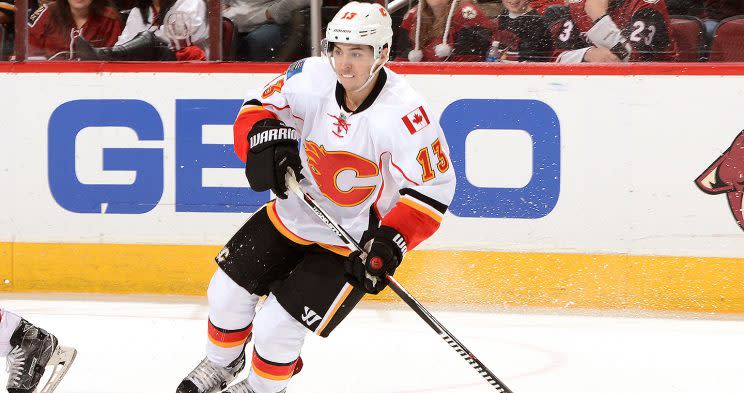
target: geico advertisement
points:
(574, 164)
(143, 189)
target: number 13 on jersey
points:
(424, 160)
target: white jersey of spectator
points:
(185, 24)
(249, 14)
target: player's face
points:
(516, 6)
(352, 63)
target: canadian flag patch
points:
(416, 120)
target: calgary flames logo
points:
(326, 166)
(726, 174)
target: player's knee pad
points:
(278, 341)
(230, 305)
(278, 336)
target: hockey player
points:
(371, 153)
(631, 30)
(29, 350)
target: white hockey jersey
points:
(387, 162)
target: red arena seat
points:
(229, 39)
(689, 33)
(728, 40)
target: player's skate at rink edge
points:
(371, 153)
(32, 353)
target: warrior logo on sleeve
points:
(726, 175)
(326, 168)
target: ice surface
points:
(135, 344)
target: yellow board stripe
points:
(423, 209)
(545, 280)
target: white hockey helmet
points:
(362, 24)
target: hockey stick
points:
(417, 307)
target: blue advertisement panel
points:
(536, 199)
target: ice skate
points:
(243, 387)
(208, 377)
(34, 349)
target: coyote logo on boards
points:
(726, 175)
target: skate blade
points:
(61, 359)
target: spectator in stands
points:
(643, 33)
(444, 30)
(522, 33)
(261, 25)
(158, 30)
(52, 34)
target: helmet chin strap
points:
(376, 67)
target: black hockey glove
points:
(366, 271)
(273, 149)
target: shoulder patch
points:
(295, 68)
(275, 86)
(469, 12)
(416, 120)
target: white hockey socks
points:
(8, 324)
